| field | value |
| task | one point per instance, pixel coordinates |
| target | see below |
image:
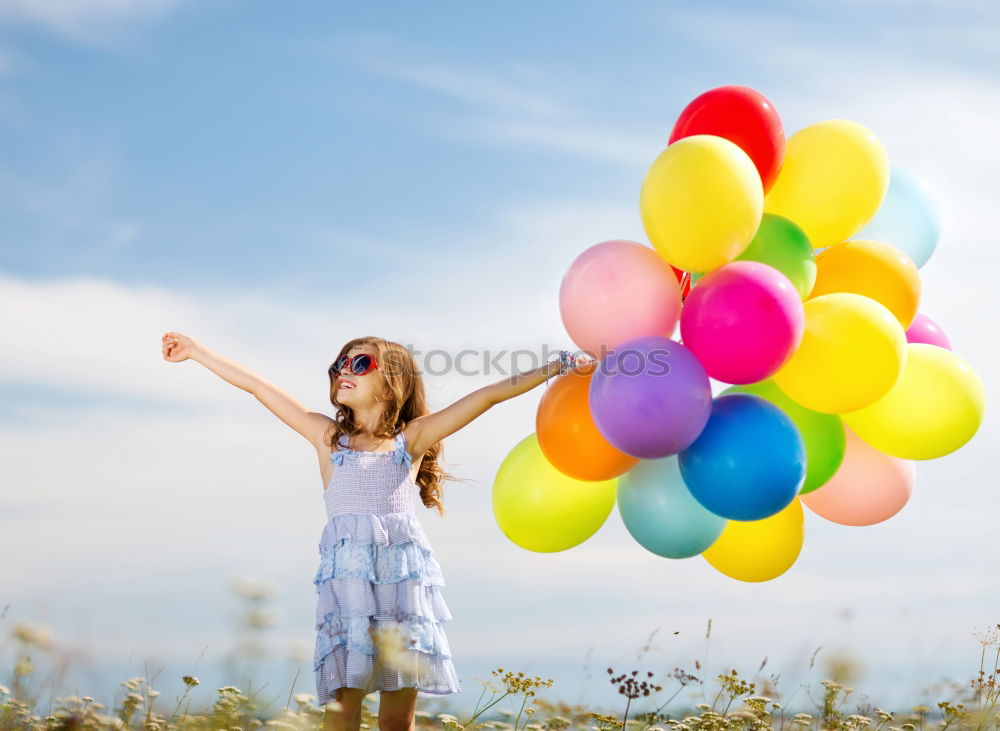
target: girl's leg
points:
(348, 718)
(396, 709)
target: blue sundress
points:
(377, 571)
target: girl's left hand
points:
(574, 363)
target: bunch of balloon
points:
(787, 270)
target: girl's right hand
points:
(178, 346)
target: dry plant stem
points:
(708, 633)
(288, 702)
(993, 692)
(661, 707)
(519, 712)
(488, 706)
(477, 706)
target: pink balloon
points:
(743, 321)
(616, 291)
(869, 487)
(924, 330)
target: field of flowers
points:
(512, 701)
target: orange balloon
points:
(568, 437)
(873, 269)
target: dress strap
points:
(401, 455)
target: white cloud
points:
(517, 105)
(389, 58)
(579, 139)
(480, 89)
(804, 50)
(89, 21)
(75, 200)
(848, 77)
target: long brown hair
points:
(398, 371)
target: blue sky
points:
(275, 179)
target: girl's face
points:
(358, 391)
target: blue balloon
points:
(748, 463)
(908, 218)
(660, 513)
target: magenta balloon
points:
(743, 321)
(924, 330)
(615, 291)
(650, 397)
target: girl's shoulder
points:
(325, 446)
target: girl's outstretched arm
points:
(432, 428)
(312, 425)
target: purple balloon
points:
(924, 330)
(650, 397)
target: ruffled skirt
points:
(379, 608)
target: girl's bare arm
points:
(431, 428)
(312, 425)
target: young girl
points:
(379, 609)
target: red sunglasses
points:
(360, 364)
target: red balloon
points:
(742, 116)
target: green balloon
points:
(822, 434)
(782, 244)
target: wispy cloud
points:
(96, 22)
(72, 207)
(8, 60)
(809, 54)
(576, 139)
(530, 244)
(513, 106)
(476, 88)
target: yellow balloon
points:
(834, 176)
(701, 202)
(541, 509)
(851, 354)
(759, 550)
(934, 408)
